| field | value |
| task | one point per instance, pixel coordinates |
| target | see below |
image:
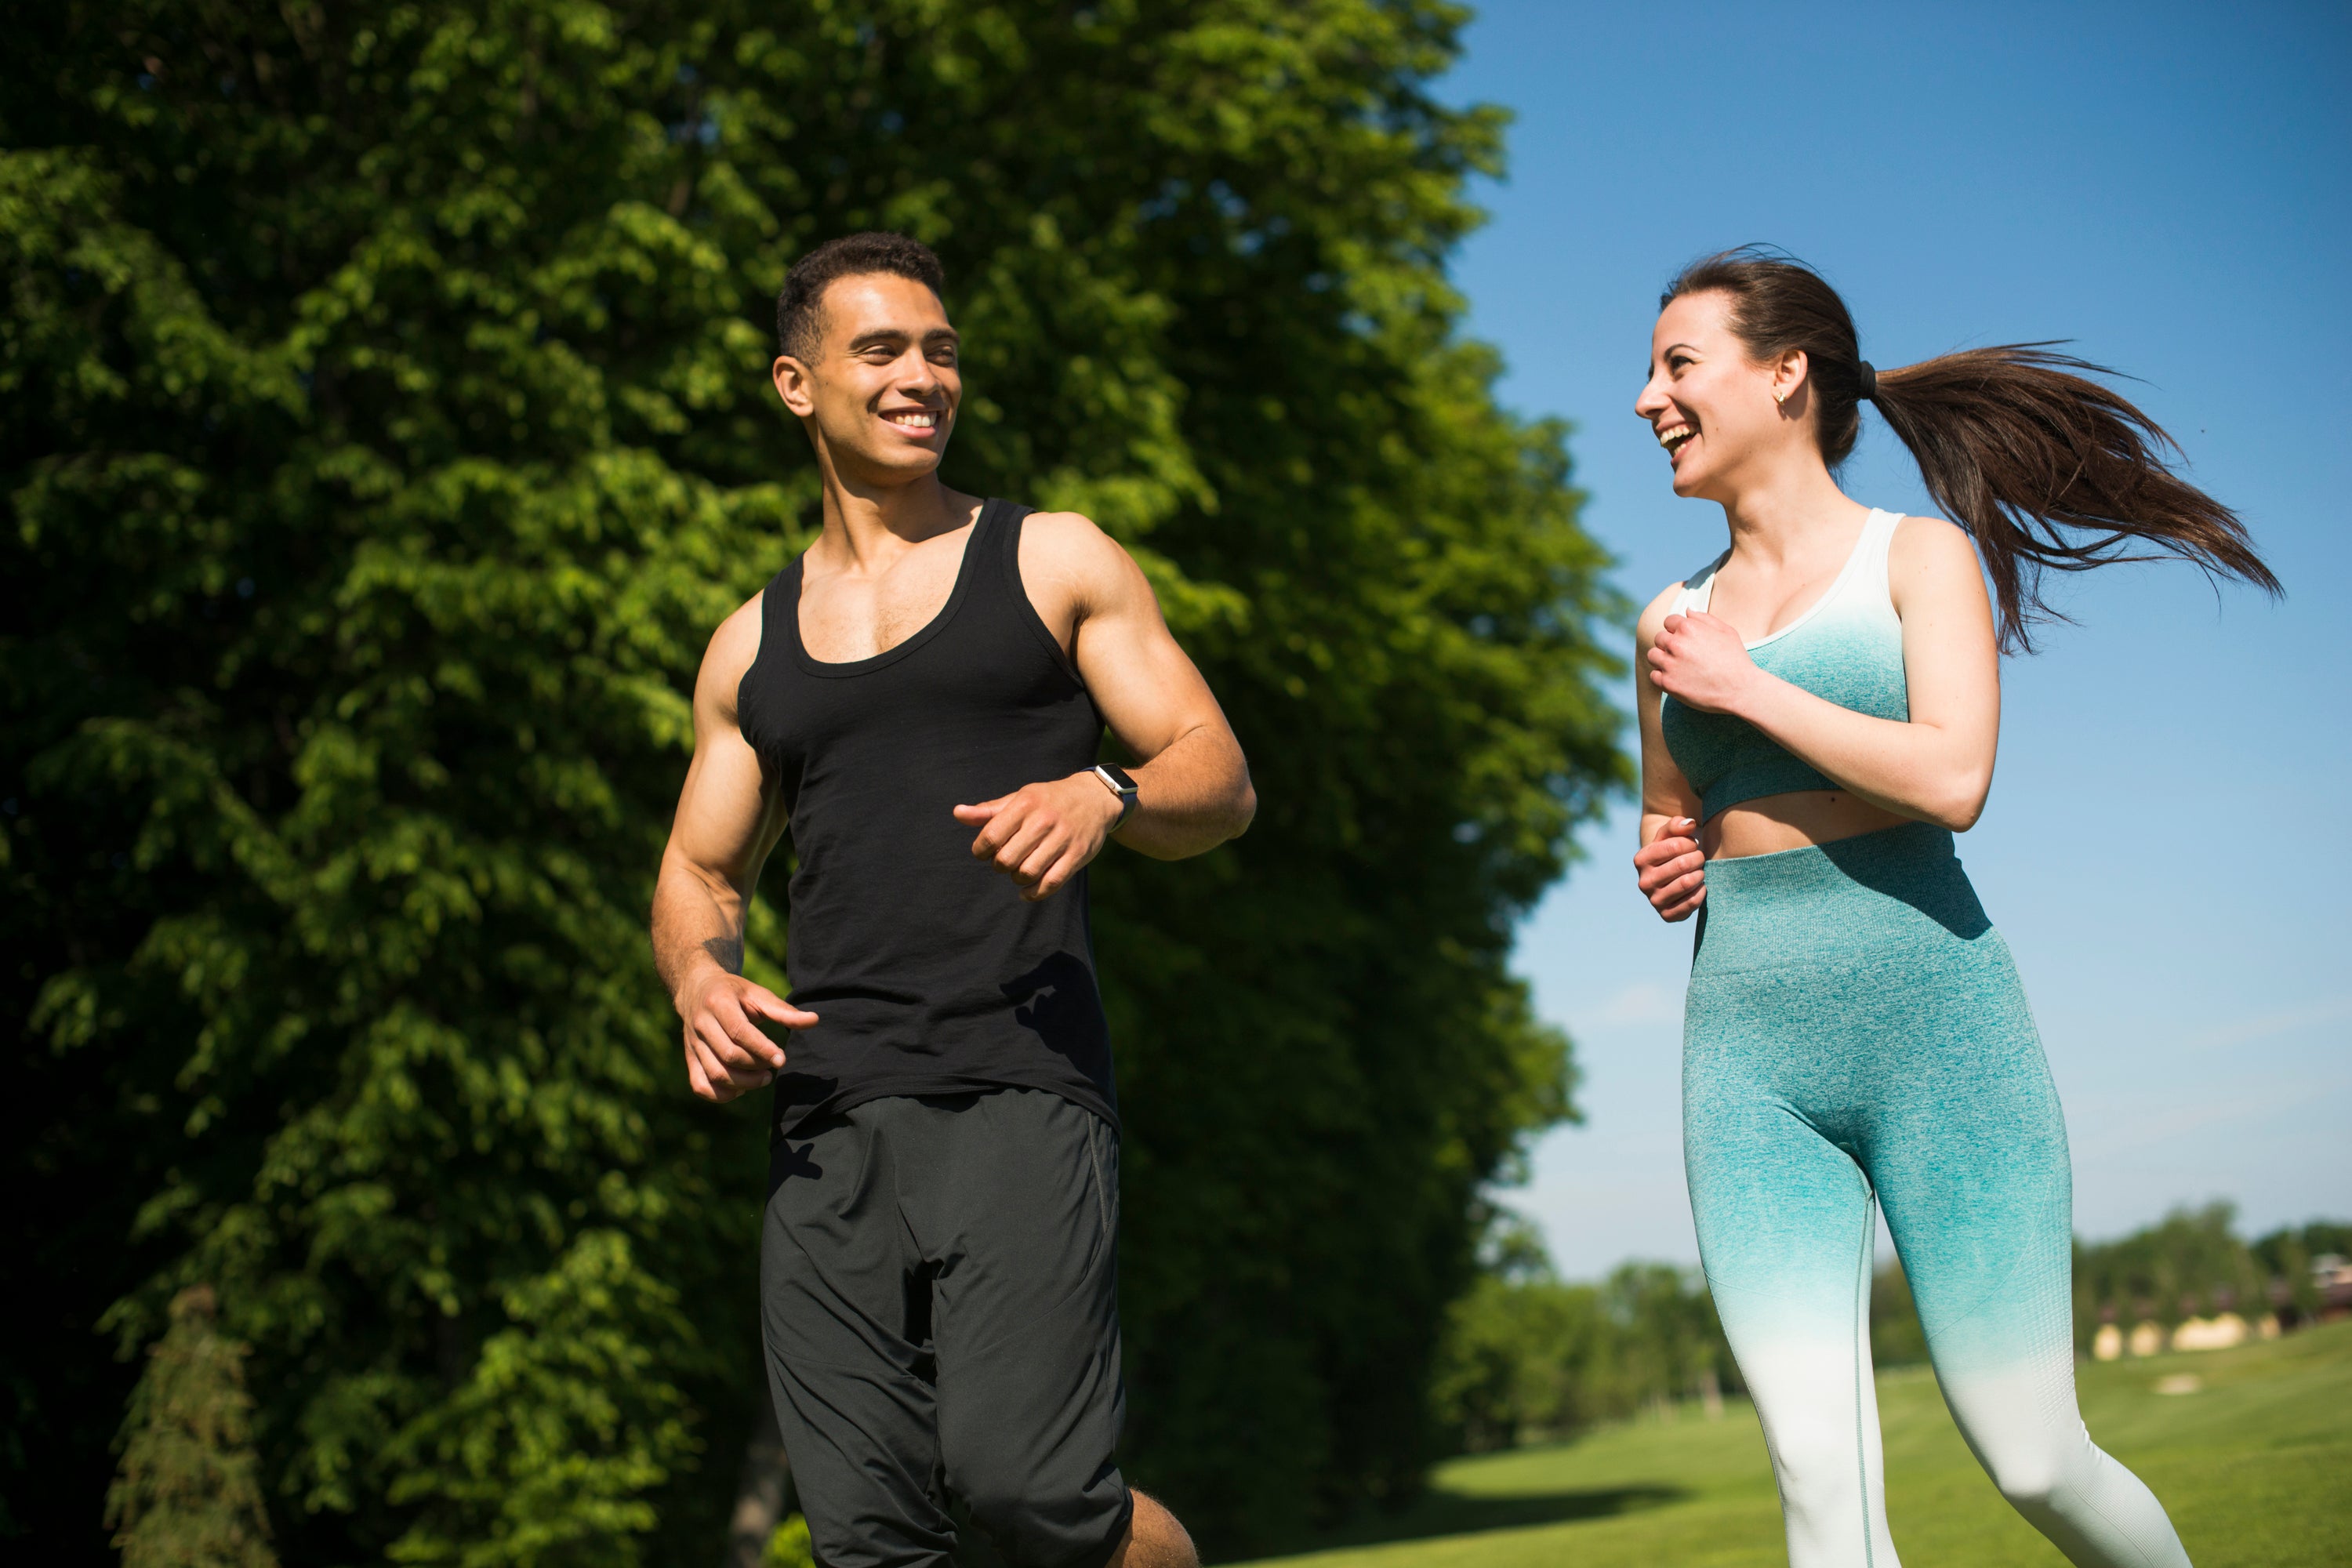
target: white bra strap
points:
(1869, 571)
(1698, 589)
(1878, 541)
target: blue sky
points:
(2167, 844)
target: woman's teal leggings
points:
(1856, 1033)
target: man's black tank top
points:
(929, 973)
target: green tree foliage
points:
(186, 1496)
(789, 1546)
(2287, 1257)
(1528, 1356)
(2192, 1264)
(1898, 1338)
(385, 427)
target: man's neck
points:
(868, 526)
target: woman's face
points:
(1709, 404)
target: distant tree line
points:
(1528, 1356)
(2190, 1263)
(2193, 1265)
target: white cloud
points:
(2147, 1130)
(1644, 1001)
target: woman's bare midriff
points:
(1773, 823)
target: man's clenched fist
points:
(1042, 835)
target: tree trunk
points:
(761, 1491)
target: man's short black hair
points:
(851, 255)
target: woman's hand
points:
(1698, 659)
(1670, 870)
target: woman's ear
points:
(1789, 375)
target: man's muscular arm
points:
(727, 823)
(1193, 787)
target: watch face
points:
(1119, 775)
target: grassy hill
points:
(2253, 1465)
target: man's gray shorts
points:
(939, 1292)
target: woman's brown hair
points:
(2047, 469)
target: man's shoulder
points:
(1071, 531)
(1072, 547)
(733, 648)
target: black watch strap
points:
(1117, 780)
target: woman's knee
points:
(2028, 1484)
(2032, 1469)
(1813, 1458)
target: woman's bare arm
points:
(1668, 867)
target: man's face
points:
(880, 394)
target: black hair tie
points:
(1869, 383)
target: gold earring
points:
(1779, 398)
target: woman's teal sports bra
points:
(1848, 648)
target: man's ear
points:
(794, 386)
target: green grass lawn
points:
(2255, 1467)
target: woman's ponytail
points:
(2047, 468)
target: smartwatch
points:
(1117, 780)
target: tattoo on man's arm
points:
(728, 950)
